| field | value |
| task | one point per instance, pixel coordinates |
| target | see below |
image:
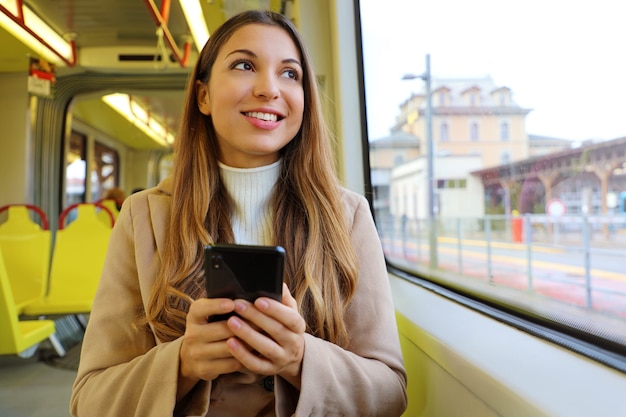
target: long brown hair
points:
(321, 266)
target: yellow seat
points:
(26, 250)
(77, 260)
(18, 337)
(104, 216)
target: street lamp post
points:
(432, 227)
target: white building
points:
(457, 193)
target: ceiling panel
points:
(117, 24)
(13, 54)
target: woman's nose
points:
(266, 86)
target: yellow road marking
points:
(515, 246)
(571, 269)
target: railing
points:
(575, 259)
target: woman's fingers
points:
(204, 353)
(277, 345)
(200, 311)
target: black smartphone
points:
(244, 271)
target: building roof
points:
(567, 159)
(456, 90)
(457, 87)
(397, 139)
(537, 139)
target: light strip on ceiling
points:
(132, 111)
(25, 25)
(195, 20)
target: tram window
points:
(166, 164)
(540, 213)
(105, 170)
(76, 169)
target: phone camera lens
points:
(217, 261)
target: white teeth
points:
(263, 116)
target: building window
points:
(460, 183)
(505, 157)
(444, 132)
(474, 131)
(504, 130)
(442, 98)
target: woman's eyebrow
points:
(242, 51)
(253, 55)
(292, 61)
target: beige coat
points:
(124, 372)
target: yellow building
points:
(469, 117)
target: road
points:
(596, 278)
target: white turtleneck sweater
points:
(251, 189)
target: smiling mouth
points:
(268, 117)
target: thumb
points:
(288, 300)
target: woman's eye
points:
(292, 74)
(243, 65)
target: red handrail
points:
(71, 207)
(38, 210)
(161, 18)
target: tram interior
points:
(111, 40)
(460, 362)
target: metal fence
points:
(574, 259)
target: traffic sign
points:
(555, 207)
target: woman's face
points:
(254, 95)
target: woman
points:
(253, 166)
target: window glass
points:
(105, 170)
(75, 169)
(504, 130)
(474, 131)
(521, 197)
(166, 164)
(444, 132)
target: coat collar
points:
(159, 205)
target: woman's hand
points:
(204, 353)
(269, 337)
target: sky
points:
(564, 59)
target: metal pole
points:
(587, 259)
(459, 240)
(432, 225)
(430, 176)
(488, 247)
(527, 230)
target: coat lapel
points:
(159, 207)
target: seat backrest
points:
(26, 249)
(18, 337)
(78, 256)
(9, 327)
(18, 221)
(112, 206)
